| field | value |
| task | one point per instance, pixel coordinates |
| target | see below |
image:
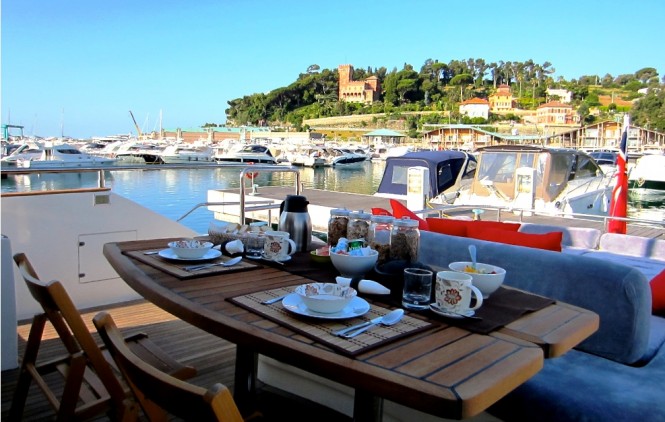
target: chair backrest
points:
(172, 395)
(66, 319)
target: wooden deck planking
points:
(213, 358)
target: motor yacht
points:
(184, 154)
(539, 178)
(342, 157)
(252, 153)
(62, 156)
(646, 179)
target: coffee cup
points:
(453, 293)
(278, 246)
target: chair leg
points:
(28, 362)
(70, 396)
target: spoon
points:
(230, 262)
(472, 252)
(391, 318)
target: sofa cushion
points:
(400, 211)
(633, 245)
(658, 294)
(656, 339)
(620, 295)
(577, 237)
(549, 241)
(647, 266)
(582, 387)
(380, 211)
(456, 227)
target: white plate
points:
(357, 307)
(447, 314)
(169, 254)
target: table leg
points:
(367, 407)
(244, 390)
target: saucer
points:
(439, 311)
(286, 258)
(357, 307)
(169, 254)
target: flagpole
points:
(619, 201)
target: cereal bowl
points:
(353, 265)
(326, 298)
(487, 277)
(190, 248)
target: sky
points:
(77, 67)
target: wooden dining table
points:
(432, 365)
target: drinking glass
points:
(417, 288)
(254, 245)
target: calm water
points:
(173, 193)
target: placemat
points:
(175, 268)
(321, 330)
(502, 307)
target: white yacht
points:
(308, 156)
(28, 150)
(647, 178)
(552, 180)
(341, 157)
(252, 153)
(184, 154)
(62, 156)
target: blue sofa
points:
(617, 374)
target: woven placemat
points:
(175, 268)
(321, 330)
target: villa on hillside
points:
(556, 112)
(366, 91)
(502, 101)
(564, 95)
(475, 107)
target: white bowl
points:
(354, 266)
(190, 249)
(326, 298)
(484, 280)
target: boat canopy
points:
(444, 168)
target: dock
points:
(322, 201)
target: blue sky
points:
(78, 66)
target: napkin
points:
(365, 286)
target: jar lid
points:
(382, 219)
(360, 214)
(342, 212)
(406, 222)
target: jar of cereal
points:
(358, 225)
(405, 240)
(337, 225)
(378, 237)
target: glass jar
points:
(337, 225)
(378, 237)
(405, 240)
(358, 225)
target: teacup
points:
(278, 246)
(454, 291)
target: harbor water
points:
(174, 192)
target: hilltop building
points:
(502, 101)
(475, 107)
(564, 95)
(366, 91)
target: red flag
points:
(619, 201)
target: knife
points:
(343, 331)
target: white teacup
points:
(453, 292)
(278, 246)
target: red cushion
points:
(448, 226)
(658, 294)
(550, 241)
(454, 227)
(380, 211)
(400, 211)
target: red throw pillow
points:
(400, 211)
(658, 294)
(449, 226)
(380, 211)
(549, 241)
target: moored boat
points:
(646, 179)
(63, 156)
(252, 153)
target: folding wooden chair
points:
(91, 385)
(154, 388)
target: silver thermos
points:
(294, 218)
